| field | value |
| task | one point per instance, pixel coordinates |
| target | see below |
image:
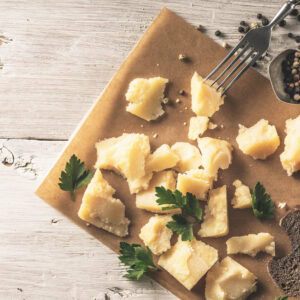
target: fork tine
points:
(231, 53)
(235, 69)
(241, 73)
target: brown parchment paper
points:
(248, 101)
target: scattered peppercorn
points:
(297, 38)
(241, 29)
(243, 23)
(294, 12)
(218, 33)
(290, 35)
(259, 16)
(282, 23)
(265, 22)
(298, 18)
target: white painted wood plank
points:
(44, 260)
(57, 56)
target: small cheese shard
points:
(145, 97)
(206, 100)
(215, 222)
(189, 156)
(290, 158)
(156, 235)
(126, 154)
(162, 158)
(212, 125)
(198, 125)
(216, 154)
(147, 199)
(228, 280)
(196, 182)
(258, 141)
(242, 196)
(99, 208)
(188, 261)
(251, 244)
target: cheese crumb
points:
(198, 125)
(178, 100)
(212, 126)
(282, 205)
(155, 135)
(242, 196)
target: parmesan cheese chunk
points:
(196, 182)
(147, 199)
(99, 208)
(251, 244)
(126, 155)
(156, 235)
(228, 280)
(198, 125)
(206, 100)
(162, 158)
(258, 141)
(188, 261)
(145, 97)
(189, 156)
(215, 222)
(216, 154)
(242, 196)
(290, 158)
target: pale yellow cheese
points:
(215, 221)
(188, 262)
(101, 209)
(196, 182)
(156, 235)
(162, 158)
(212, 125)
(206, 100)
(216, 154)
(251, 244)
(242, 196)
(189, 156)
(228, 280)
(290, 158)
(198, 125)
(145, 97)
(126, 154)
(258, 141)
(147, 199)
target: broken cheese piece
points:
(145, 97)
(258, 141)
(99, 208)
(189, 156)
(156, 235)
(196, 182)
(198, 125)
(242, 196)
(147, 199)
(162, 158)
(188, 262)
(251, 244)
(206, 100)
(216, 154)
(228, 280)
(215, 221)
(126, 154)
(290, 157)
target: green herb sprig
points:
(282, 298)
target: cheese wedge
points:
(156, 235)
(242, 196)
(215, 222)
(126, 155)
(216, 154)
(258, 141)
(196, 182)
(147, 199)
(198, 125)
(290, 158)
(162, 158)
(189, 156)
(188, 262)
(145, 97)
(206, 100)
(229, 280)
(101, 209)
(251, 244)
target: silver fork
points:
(255, 44)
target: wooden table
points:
(55, 59)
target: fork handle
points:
(284, 11)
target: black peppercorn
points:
(265, 22)
(282, 23)
(297, 38)
(259, 16)
(218, 33)
(290, 35)
(298, 18)
(294, 12)
(243, 23)
(241, 29)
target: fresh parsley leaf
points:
(139, 260)
(182, 226)
(282, 298)
(74, 176)
(262, 204)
